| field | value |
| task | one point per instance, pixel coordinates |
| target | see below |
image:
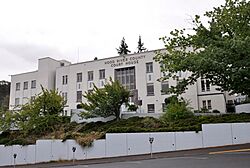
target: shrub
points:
(177, 110)
(132, 107)
(215, 111)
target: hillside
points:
(85, 133)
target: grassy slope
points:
(85, 133)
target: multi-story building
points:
(137, 72)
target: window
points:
(209, 105)
(205, 85)
(25, 85)
(79, 96)
(150, 89)
(102, 74)
(32, 98)
(79, 77)
(65, 112)
(164, 87)
(208, 85)
(65, 96)
(149, 67)
(18, 86)
(151, 108)
(90, 75)
(17, 101)
(33, 84)
(164, 107)
(204, 104)
(65, 80)
(202, 85)
(126, 76)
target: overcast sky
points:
(32, 29)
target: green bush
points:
(132, 107)
(4, 141)
(18, 141)
(177, 111)
(215, 111)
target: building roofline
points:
(49, 58)
(111, 57)
(24, 73)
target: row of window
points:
(79, 76)
(150, 91)
(149, 69)
(78, 96)
(17, 100)
(26, 85)
(164, 88)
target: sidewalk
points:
(137, 157)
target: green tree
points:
(40, 115)
(4, 95)
(218, 50)
(140, 46)
(105, 101)
(176, 109)
(123, 49)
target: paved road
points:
(222, 160)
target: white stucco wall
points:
(50, 72)
(44, 76)
(242, 108)
(217, 134)
(124, 144)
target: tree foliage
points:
(123, 49)
(218, 50)
(105, 101)
(140, 46)
(176, 109)
(39, 115)
(4, 95)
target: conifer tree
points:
(140, 47)
(123, 49)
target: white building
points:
(137, 72)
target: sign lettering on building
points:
(124, 61)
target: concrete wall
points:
(241, 133)
(188, 140)
(242, 108)
(124, 144)
(217, 134)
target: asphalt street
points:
(221, 160)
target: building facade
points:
(137, 72)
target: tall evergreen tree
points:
(140, 47)
(123, 49)
(4, 94)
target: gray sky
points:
(31, 29)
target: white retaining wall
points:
(242, 108)
(127, 144)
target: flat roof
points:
(112, 57)
(25, 73)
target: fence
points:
(127, 144)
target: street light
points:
(74, 150)
(151, 140)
